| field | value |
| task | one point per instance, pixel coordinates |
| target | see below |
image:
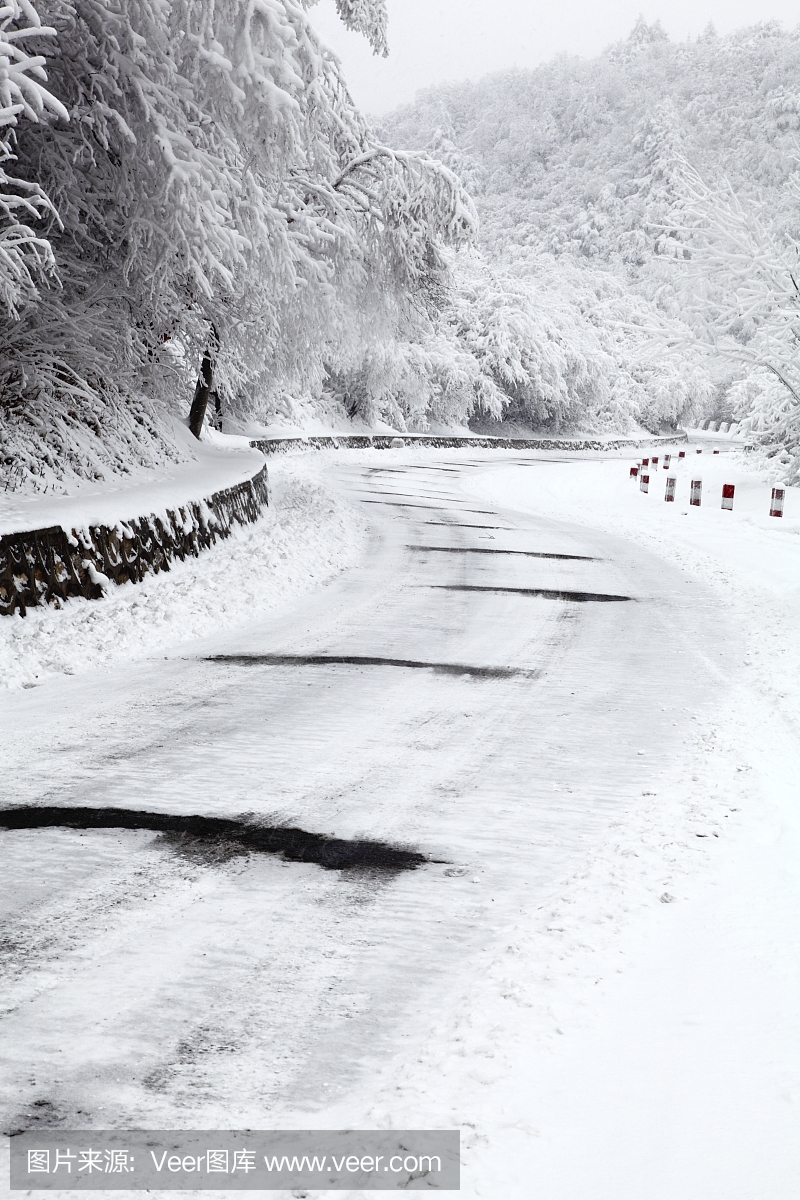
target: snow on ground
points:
(655, 1039)
(215, 463)
(306, 538)
(616, 1017)
(751, 559)
(637, 1035)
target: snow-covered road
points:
(567, 786)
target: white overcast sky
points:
(431, 41)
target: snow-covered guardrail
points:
(445, 442)
(47, 566)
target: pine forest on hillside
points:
(188, 190)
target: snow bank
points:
(737, 550)
(301, 543)
(648, 1015)
(216, 463)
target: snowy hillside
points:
(199, 224)
(580, 155)
(191, 203)
(653, 187)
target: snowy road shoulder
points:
(211, 465)
(305, 539)
(656, 1040)
(750, 560)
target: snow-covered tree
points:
(740, 294)
(540, 344)
(25, 256)
(213, 189)
(583, 164)
(368, 17)
(217, 199)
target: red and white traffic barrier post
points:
(727, 496)
(655, 461)
(634, 472)
(776, 505)
(670, 492)
(644, 483)
(696, 492)
(681, 454)
(667, 461)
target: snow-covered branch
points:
(26, 257)
(740, 301)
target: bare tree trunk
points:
(205, 384)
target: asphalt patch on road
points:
(364, 660)
(461, 525)
(546, 593)
(397, 504)
(486, 550)
(408, 495)
(294, 845)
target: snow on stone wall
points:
(47, 566)
(445, 442)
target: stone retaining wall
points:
(394, 441)
(47, 566)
